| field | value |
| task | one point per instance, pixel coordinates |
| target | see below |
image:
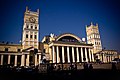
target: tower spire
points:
(26, 8)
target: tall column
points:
(53, 54)
(50, 51)
(68, 54)
(15, 60)
(35, 59)
(81, 54)
(112, 57)
(63, 58)
(92, 56)
(39, 58)
(58, 60)
(1, 59)
(27, 61)
(8, 59)
(77, 54)
(109, 58)
(105, 59)
(23, 60)
(89, 55)
(98, 56)
(73, 56)
(86, 55)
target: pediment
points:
(29, 49)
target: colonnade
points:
(106, 57)
(81, 53)
(23, 61)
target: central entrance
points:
(31, 58)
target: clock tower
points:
(30, 35)
(93, 37)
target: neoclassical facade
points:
(64, 48)
(14, 55)
(67, 48)
(107, 56)
(28, 52)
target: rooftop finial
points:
(38, 10)
(26, 8)
(91, 23)
(96, 24)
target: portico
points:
(65, 51)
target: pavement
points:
(95, 74)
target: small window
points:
(18, 50)
(35, 36)
(30, 36)
(35, 27)
(6, 49)
(26, 35)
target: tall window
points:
(35, 27)
(30, 36)
(26, 35)
(27, 26)
(35, 36)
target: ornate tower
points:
(30, 36)
(93, 37)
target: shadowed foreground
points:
(95, 74)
